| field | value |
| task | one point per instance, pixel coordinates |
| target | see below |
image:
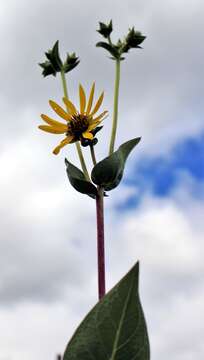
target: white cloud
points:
(161, 233)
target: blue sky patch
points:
(160, 174)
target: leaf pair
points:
(107, 173)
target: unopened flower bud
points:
(105, 30)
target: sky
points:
(48, 279)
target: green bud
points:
(94, 141)
(48, 69)
(71, 62)
(105, 30)
(133, 39)
(85, 142)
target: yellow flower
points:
(78, 124)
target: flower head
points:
(78, 125)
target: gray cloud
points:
(161, 85)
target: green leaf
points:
(111, 48)
(109, 172)
(115, 328)
(78, 181)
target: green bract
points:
(115, 328)
(108, 172)
(54, 58)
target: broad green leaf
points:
(115, 328)
(78, 180)
(109, 172)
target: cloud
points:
(161, 87)
(40, 238)
(166, 235)
(54, 279)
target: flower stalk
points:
(100, 242)
(93, 156)
(82, 161)
(64, 84)
(100, 233)
(78, 146)
(115, 106)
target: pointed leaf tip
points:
(115, 328)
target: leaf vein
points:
(120, 323)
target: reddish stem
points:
(100, 243)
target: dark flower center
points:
(78, 125)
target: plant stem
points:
(109, 40)
(78, 146)
(100, 243)
(93, 156)
(115, 107)
(100, 234)
(82, 161)
(64, 84)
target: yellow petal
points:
(95, 122)
(93, 125)
(70, 106)
(98, 118)
(63, 143)
(87, 135)
(59, 110)
(90, 102)
(50, 129)
(98, 104)
(82, 97)
(54, 123)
